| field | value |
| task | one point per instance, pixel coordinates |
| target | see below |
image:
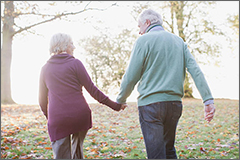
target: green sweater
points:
(158, 61)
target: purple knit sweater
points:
(61, 98)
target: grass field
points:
(117, 135)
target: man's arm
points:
(201, 84)
(197, 75)
(133, 73)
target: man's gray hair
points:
(59, 43)
(151, 15)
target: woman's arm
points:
(86, 81)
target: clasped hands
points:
(123, 106)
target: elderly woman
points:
(62, 101)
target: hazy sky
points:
(30, 52)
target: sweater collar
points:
(61, 58)
(154, 27)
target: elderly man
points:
(158, 61)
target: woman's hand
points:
(123, 106)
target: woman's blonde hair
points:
(59, 43)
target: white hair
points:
(151, 15)
(59, 43)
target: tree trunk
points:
(172, 16)
(178, 7)
(6, 53)
(180, 19)
(187, 89)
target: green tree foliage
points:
(107, 58)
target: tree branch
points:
(32, 13)
(87, 5)
(28, 27)
(189, 16)
(168, 23)
(59, 16)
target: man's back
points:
(158, 62)
(163, 69)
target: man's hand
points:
(123, 106)
(209, 112)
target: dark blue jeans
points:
(158, 123)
